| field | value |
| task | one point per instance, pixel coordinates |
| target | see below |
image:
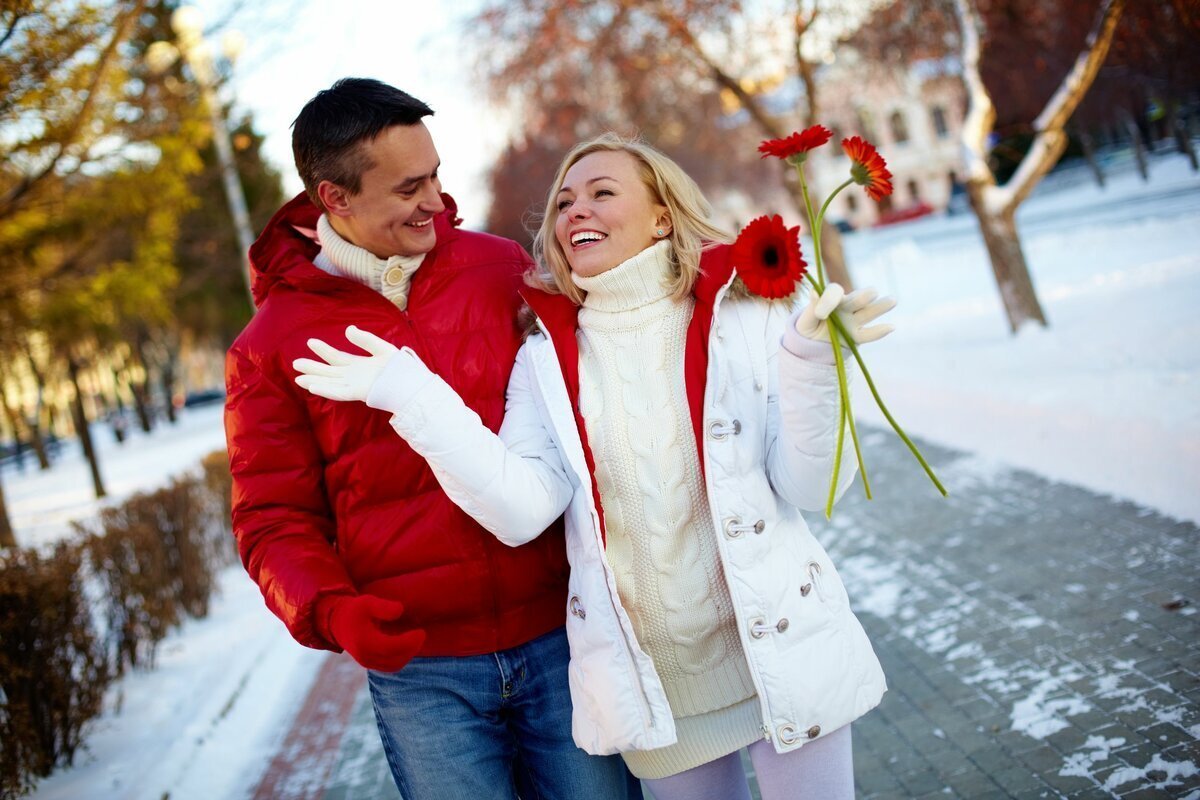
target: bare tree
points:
(995, 205)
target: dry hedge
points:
(74, 620)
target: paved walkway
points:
(1039, 641)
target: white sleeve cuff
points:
(803, 347)
(402, 379)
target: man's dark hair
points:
(327, 135)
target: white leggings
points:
(820, 770)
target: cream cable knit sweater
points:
(660, 538)
(390, 277)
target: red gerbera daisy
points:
(795, 148)
(869, 170)
(767, 257)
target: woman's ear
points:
(662, 226)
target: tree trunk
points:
(1089, 153)
(1003, 245)
(39, 443)
(1139, 149)
(140, 388)
(1184, 140)
(7, 536)
(35, 425)
(168, 385)
(81, 428)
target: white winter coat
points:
(769, 429)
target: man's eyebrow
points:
(407, 182)
(589, 183)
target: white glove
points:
(855, 310)
(344, 376)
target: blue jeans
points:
(491, 726)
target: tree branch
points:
(1051, 139)
(680, 29)
(981, 112)
(8, 204)
(803, 66)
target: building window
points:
(899, 127)
(914, 190)
(939, 122)
(866, 125)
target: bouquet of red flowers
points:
(769, 262)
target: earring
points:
(661, 232)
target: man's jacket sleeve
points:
(281, 516)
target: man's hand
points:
(344, 376)
(855, 310)
(368, 628)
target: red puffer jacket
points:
(327, 499)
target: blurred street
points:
(1039, 640)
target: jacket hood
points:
(285, 250)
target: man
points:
(344, 528)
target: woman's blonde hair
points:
(669, 186)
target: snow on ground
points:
(1107, 396)
(207, 719)
(43, 504)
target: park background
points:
(123, 283)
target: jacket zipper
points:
(764, 705)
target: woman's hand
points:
(855, 310)
(344, 376)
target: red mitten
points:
(368, 628)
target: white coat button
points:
(394, 276)
(805, 589)
(782, 625)
(814, 731)
(760, 526)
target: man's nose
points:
(432, 201)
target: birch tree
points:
(995, 205)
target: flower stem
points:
(882, 407)
(812, 225)
(844, 402)
(825, 207)
(846, 417)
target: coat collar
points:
(560, 319)
(284, 252)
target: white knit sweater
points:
(390, 277)
(660, 538)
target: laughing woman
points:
(681, 423)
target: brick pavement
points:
(1039, 640)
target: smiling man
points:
(343, 526)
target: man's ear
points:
(335, 199)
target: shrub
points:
(142, 565)
(53, 671)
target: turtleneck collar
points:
(639, 281)
(390, 277)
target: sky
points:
(295, 48)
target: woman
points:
(657, 408)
